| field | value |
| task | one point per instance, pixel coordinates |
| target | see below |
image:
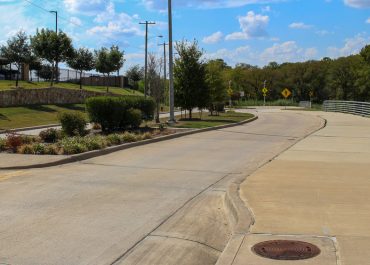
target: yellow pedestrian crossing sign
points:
(265, 90)
(286, 93)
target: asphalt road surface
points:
(94, 211)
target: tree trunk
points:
(17, 79)
(107, 84)
(157, 118)
(80, 80)
(52, 75)
(190, 114)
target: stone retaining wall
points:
(19, 97)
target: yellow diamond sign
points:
(286, 93)
(265, 90)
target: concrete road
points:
(94, 212)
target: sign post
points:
(286, 94)
(264, 91)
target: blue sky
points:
(238, 31)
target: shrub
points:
(51, 149)
(2, 144)
(118, 112)
(39, 149)
(14, 141)
(146, 136)
(26, 139)
(26, 149)
(94, 142)
(73, 145)
(133, 118)
(129, 137)
(73, 123)
(114, 139)
(50, 135)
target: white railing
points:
(351, 107)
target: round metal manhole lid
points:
(286, 250)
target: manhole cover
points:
(286, 250)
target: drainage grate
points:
(286, 250)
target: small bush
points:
(14, 141)
(114, 139)
(2, 144)
(146, 136)
(51, 149)
(133, 118)
(26, 139)
(39, 149)
(73, 145)
(94, 142)
(26, 149)
(50, 135)
(73, 123)
(129, 137)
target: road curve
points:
(94, 211)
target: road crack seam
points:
(186, 239)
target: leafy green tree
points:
(216, 84)
(52, 47)
(108, 61)
(365, 53)
(81, 60)
(135, 74)
(34, 64)
(45, 72)
(17, 51)
(191, 89)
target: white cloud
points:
(287, 52)
(214, 38)
(76, 21)
(358, 3)
(87, 7)
(205, 4)
(368, 21)
(252, 26)
(351, 46)
(299, 25)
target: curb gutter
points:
(112, 149)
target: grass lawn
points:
(27, 116)
(7, 85)
(211, 121)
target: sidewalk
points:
(317, 191)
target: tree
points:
(17, 51)
(365, 53)
(135, 74)
(155, 83)
(191, 89)
(82, 60)
(52, 47)
(45, 72)
(34, 64)
(215, 82)
(108, 61)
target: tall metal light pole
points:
(172, 93)
(164, 64)
(146, 23)
(56, 31)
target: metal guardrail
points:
(351, 107)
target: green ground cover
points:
(8, 85)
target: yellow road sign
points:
(265, 90)
(286, 93)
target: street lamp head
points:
(160, 36)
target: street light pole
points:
(56, 31)
(172, 94)
(146, 23)
(164, 64)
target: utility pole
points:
(56, 31)
(164, 64)
(172, 92)
(146, 23)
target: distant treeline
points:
(346, 78)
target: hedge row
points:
(119, 112)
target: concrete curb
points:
(109, 150)
(29, 128)
(240, 216)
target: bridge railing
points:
(351, 107)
